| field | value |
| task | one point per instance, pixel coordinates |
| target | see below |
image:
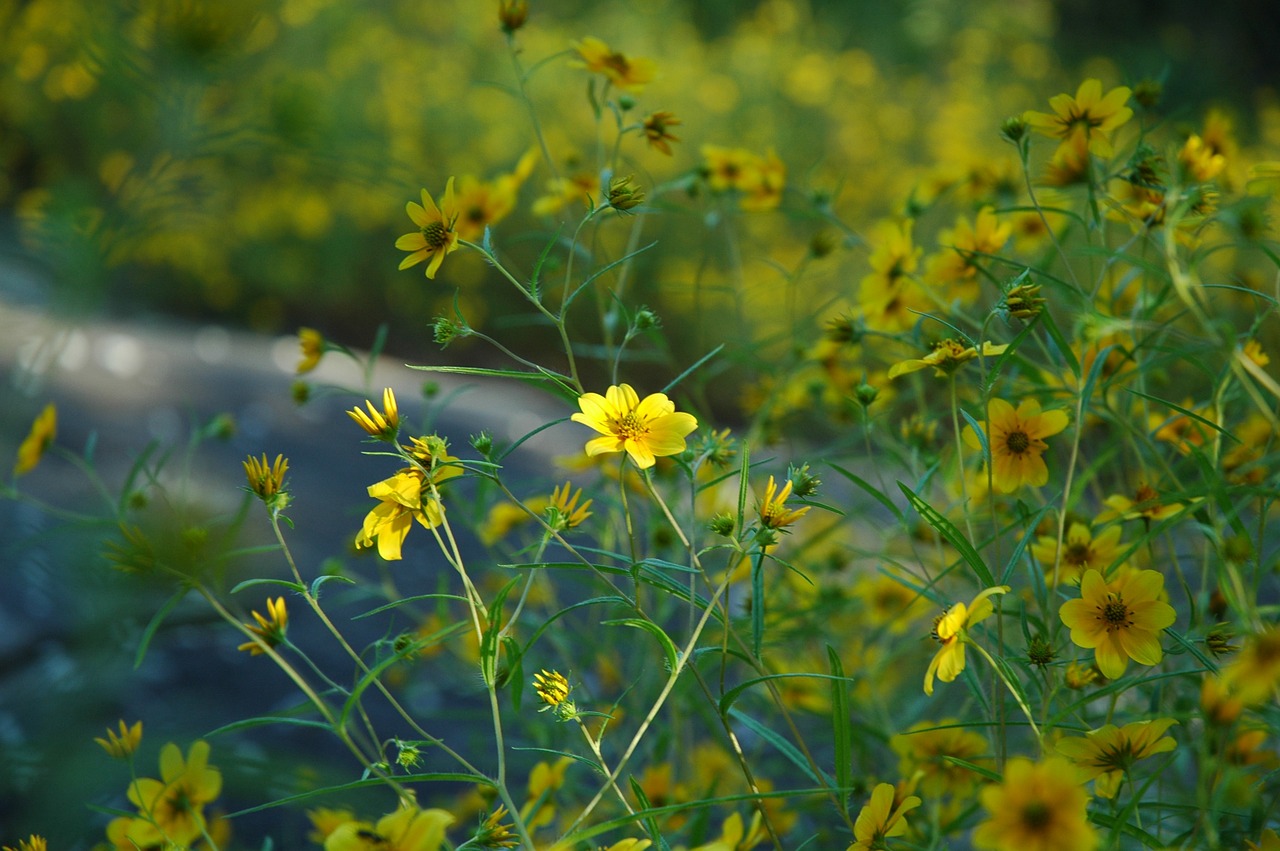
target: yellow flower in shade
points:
(494, 832)
(969, 243)
(888, 602)
(888, 296)
(384, 424)
(122, 746)
(1105, 755)
(31, 843)
(311, 343)
(1202, 162)
(325, 821)
(628, 74)
(951, 630)
(545, 779)
(407, 829)
(505, 517)
(774, 513)
(735, 835)
(1146, 504)
(1069, 164)
(1080, 552)
(727, 169)
(437, 233)
(1218, 705)
(583, 186)
(929, 750)
(1268, 841)
(644, 429)
(484, 203)
(1090, 115)
(1254, 675)
(768, 180)
(657, 130)
(568, 514)
(882, 817)
(1038, 807)
(40, 438)
(266, 480)
(1016, 440)
(271, 629)
(1119, 620)
(947, 356)
(172, 808)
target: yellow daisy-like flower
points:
(1090, 116)
(402, 499)
(123, 745)
(1016, 440)
(956, 267)
(384, 424)
(628, 74)
(1254, 675)
(40, 438)
(31, 843)
(1201, 161)
(774, 513)
(311, 344)
(645, 429)
(172, 808)
(1038, 807)
(657, 130)
(952, 632)
(265, 479)
(270, 629)
(1120, 620)
(930, 749)
(1145, 505)
(1080, 552)
(883, 816)
(437, 233)
(1106, 754)
(947, 356)
(564, 499)
(407, 829)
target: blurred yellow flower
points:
(955, 266)
(645, 429)
(1119, 620)
(123, 745)
(881, 817)
(271, 629)
(1016, 441)
(1254, 675)
(1202, 162)
(628, 74)
(930, 749)
(1037, 807)
(437, 233)
(1146, 504)
(311, 343)
(657, 130)
(43, 431)
(947, 356)
(407, 829)
(1105, 755)
(31, 843)
(171, 809)
(952, 631)
(1080, 552)
(1089, 115)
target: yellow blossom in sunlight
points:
(266, 480)
(773, 510)
(929, 749)
(1090, 115)
(880, 818)
(657, 130)
(409, 828)
(43, 431)
(384, 424)
(311, 344)
(946, 357)
(411, 494)
(172, 808)
(437, 233)
(1079, 552)
(951, 630)
(627, 74)
(1016, 441)
(1105, 755)
(1254, 675)
(568, 514)
(123, 745)
(270, 629)
(1037, 807)
(1119, 620)
(645, 429)
(551, 687)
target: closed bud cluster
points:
(624, 195)
(512, 14)
(1023, 301)
(803, 483)
(1014, 129)
(723, 524)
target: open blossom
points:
(1038, 807)
(947, 356)
(880, 818)
(1016, 439)
(1090, 116)
(645, 429)
(952, 632)
(1106, 754)
(627, 73)
(1119, 620)
(437, 233)
(41, 436)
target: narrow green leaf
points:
(675, 382)
(757, 605)
(327, 577)
(489, 641)
(784, 747)
(730, 697)
(668, 646)
(249, 583)
(870, 489)
(842, 729)
(596, 274)
(266, 720)
(438, 776)
(953, 535)
(542, 260)
(1064, 348)
(993, 374)
(406, 600)
(515, 669)
(154, 624)
(1186, 412)
(1016, 555)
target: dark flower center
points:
(1036, 815)
(1017, 442)
(1076, 555)
(435, 235)
(1115, 613)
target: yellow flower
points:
(403, 498)
(271, 629)
(1146, 504)
(551, 687)
(483, 203)
(630, 75)
(1218, 705)
(1089, 115)
(888, 295)
(1201, 161)
(544, 780)
(1080, 552)
(123, 745)
(1254, 675)
(407, 829)
(1038, 807)
(172, 809)
(1268, 841)
(1106, 754)
(437, 233)
(887, 602)
(581, 186)
(41, 436)
(325, 821)
(774, 513)
(1016, 441)
(385, 424)
(947, 356)
(952, 631)
(657, 130)
(735, 836)
(930, 749)
(880, 818)
(311, 342)
(969, 243)
(266, 480)
(728, 169)
(569, 514)
(31, 843)
(645, 429)
(1120, 620)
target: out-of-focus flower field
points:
(917, 363)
